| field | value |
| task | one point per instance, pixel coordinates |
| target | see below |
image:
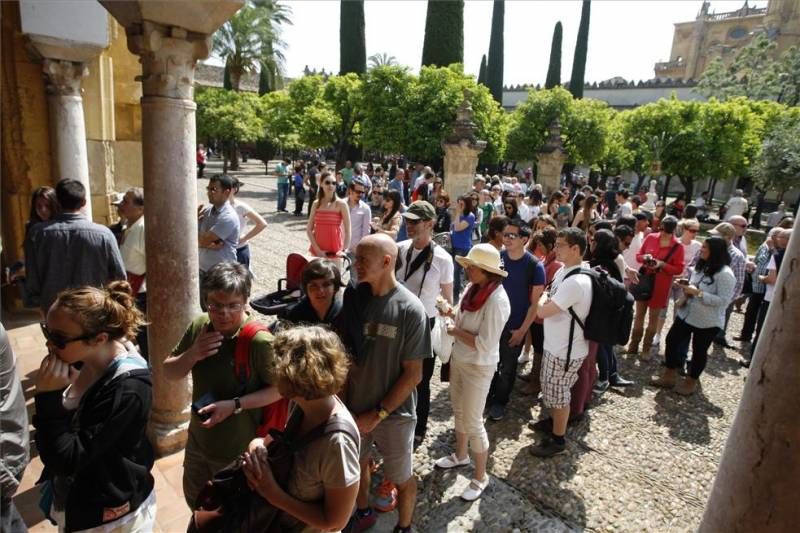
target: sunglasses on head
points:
(60, 341)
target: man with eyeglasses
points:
(360, 216)
(427, 271)
(524, 286)
(227, 402)
(218, 226)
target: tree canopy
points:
(494, 67)
(352, 39)
(581, 49)
(443, 44)
(554, 68)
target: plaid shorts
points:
(556, 383)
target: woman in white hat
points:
(479, 320)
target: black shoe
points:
(548, 448)
(618, 381)
(418, 440)
(744, 363)
(723, 342)
(497, 412)
(742, 338)
(545, 425)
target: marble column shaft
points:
(168, 57)
(67, 127)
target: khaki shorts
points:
(394, 438)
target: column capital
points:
(63, 78)
(168, 55)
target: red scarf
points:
(476, 296)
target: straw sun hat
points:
(484, 256)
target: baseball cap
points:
(724, 229)
(420, 210)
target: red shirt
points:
(671, 268)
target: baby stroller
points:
(289, 289)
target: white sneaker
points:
(451, 461)
(524, 357)
(475, 489)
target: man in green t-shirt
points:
(221, 430)
(347, 172)
(282, 170)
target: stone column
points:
(757, 487)
(67, 129)
(461, 151)
(168, 57)
(551, 160)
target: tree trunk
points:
(235, 156)
(757, 487)
(711, 191)
(666, 188)
(688, 188)
(639, 182)
(236, 78)
(755, 221)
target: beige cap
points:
(484, 256)
(723, 229)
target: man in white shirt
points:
(427, 271)
(360, 216)
(133, 253)
(736, 205)
(563, 353)
(639, 233)
(625, 207)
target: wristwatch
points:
(382, 413)
(237, 406)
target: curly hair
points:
(110, 310)
(310, 362)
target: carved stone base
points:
(460, 162)
(168, 438)
(548, 170)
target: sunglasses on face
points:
(328, 182)
(60, 341)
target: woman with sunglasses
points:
(328, 227)
(392, 218)
(90, 423)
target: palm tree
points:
(250, 40)
(382, 60)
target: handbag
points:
(643, 290)
(441, 341)
(228, 505)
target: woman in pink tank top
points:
(328, 226)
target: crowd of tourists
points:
(320, 413)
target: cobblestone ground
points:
(640, 461)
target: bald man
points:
(389, 342)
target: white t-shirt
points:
(689, 251)
(625, 209)
(630, 254)
(133, 251)
(440, 273)
(243, 209)
(575, 292)
(524, 211)
(736, 207)
(769, 288)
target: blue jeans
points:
(606, 362)
(243, 255)
(283, 194)
(458, 273)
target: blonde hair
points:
(310, 362)
(110, 310)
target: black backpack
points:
(611, 313)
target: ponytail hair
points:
(110, 310)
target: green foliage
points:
(581, 49)
(264, 85)
(584, 126)
(554, 69)
(252, 38)
(617, 156)
(382, 60)
(280, 120)
(482, 71)
(494, 68)
(228, 115)
(411, 114)
(352, 40)
(226, 78)
(778, 165)
(755, 73)
(444, 33)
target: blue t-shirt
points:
(298, 181)
(523, 274)
(463, 239)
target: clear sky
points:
(625, 37)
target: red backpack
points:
(275, 414)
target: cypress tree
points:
(444, 33)
(554, 70)
(352, 41)
(226, 78)
(482, 71)
(581, 47)
(494, 68)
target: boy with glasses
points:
(524, 286)
(226, 403)
(360, 217)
